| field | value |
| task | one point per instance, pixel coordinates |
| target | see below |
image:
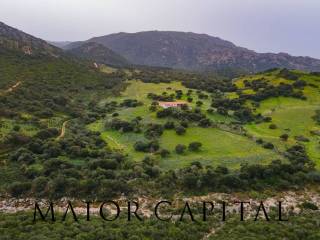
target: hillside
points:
(225, 158)
(68, 129)
(195, 52)
(98, 53)
(15, 39)
(232, 149)
(292, 120)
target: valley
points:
(86, 123)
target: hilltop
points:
(98, 53)
(193, 51)
(14, 39)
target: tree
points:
(154, 130)
(272, 126)
(39, 184)
(184, 123)
(231, 181)
(210, 110)
(152, 146)
(164, 153)
(26, 158)
(189, 99)
(190, 180)
(15, 138)
(169, 125)
(199, 103)
(16, 128)
(180, 130)
(284, 137)
(141, 146)
(194, 146)
(205, 122)
(152, 108)
(18, 188)
(222, 111)
(180, 148)
(268, 145)
(222, 170)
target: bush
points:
(153, 130)
(141, 146)
(164, 153)
(39, 184)
(184, 123)
(190, 99)
(15, 138)
(169, 125)
(210, 110)
(272, 126)
(153, 108)
(231, 181)
(205, 122)
(284, 137)
(104, 164)
(47, 133)
(18, 188)
(194, 146)
(309, 205)
(180, 130)
(268, 145)
(199, 103)
(302, 138)
(180, 148)
(16, 128)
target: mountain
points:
(195, 52)
(14, 39)
(98, 53)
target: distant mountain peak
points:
(180, 50)
(192, 51)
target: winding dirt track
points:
(11, 89)
(63, 130)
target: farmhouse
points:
(172, 104)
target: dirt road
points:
(12, 88)
(63, 130)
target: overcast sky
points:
(291, 26)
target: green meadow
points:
(291, 116)
(219, 147)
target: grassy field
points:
(7, 126)
(219, 147)
(291, 116)
(26, 125)
(139, 91)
